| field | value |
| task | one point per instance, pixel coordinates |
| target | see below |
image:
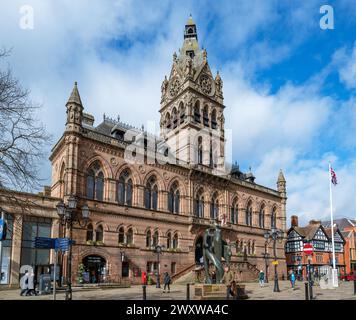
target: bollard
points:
(306, 284)
(143, 292)
(311, 291)
(188, 291)
(355, 283)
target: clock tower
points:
(192, 110)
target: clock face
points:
(205, 84)
(174, 87)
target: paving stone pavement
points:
(178, 292)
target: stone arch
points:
(135, 175)
(101, 223)
(182, 187)
(160, 181)
(104, 165)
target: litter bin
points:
(45, 284)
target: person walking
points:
(167, 282)
(228, 280)
(24, 284)
(261, 278)
(292, 280)
(31, 285)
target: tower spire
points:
(75, 96)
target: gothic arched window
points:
(155, 239)
(273, 218)
(174, 199)
(62, 181)
(214, 206)
(197, 111)
(148, 239)
(168, 121)
(199, 204)
(151, 194)
(175, 118)
(181, 112)
(169, 240)
(249, 214)
(95, 182)
(99, 233)
(234, 212)
(121, 235)
(206, 116)
(129, 236)
(90, 232)
(175, 241)
(200, 150)
(261, 217)
(213, 119)
(124, 188)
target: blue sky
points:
(289, 86)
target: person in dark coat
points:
(31, 285)
(167, 282)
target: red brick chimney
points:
(294, 221)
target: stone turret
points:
(74, 111)
(281, 187)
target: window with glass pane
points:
(95, 182)
(34, 227)
(262, 217)
(168, 240)
(175, 241)
(121, 235)
(129, 237)
(121, 191)
(6, 250)
(155, 239)
(99, 233)
(148, 239)
(90, 233)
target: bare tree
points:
(22, 136)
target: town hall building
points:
(143, 191)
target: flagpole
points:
(332, 230)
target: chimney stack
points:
(294, 221)
(314, 222)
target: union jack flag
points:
(333, 177)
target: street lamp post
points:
(68, 214)
(274, 235)
(266, 256)
(158, 250)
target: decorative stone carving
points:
(142, 169)
(205, 84)
(174, 88)
(114, 161)
(164, 87)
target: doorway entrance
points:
(95, 269)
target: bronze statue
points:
(214, 249)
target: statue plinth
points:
(203, 291)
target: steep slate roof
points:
(341, 223)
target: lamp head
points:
(60, 208)
(72, 202)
